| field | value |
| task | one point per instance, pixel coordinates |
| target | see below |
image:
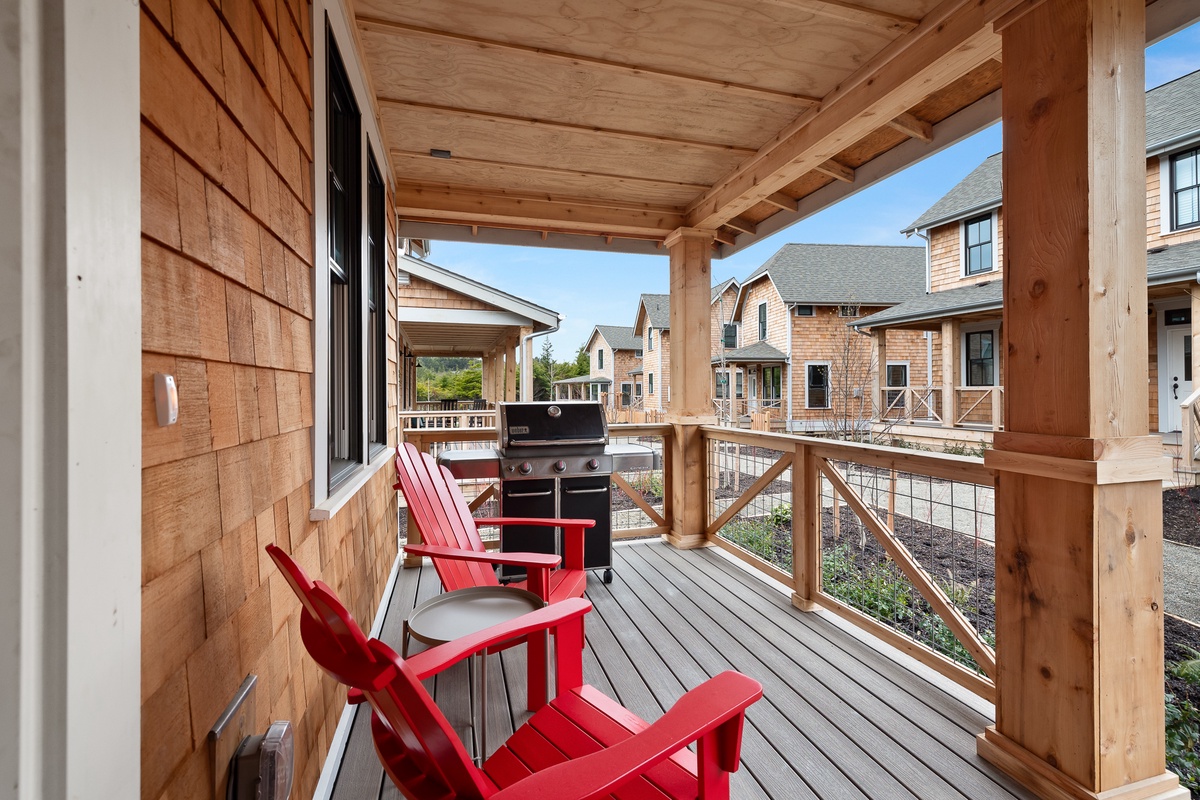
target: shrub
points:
(780, 516)
(760, 538)
(1183, 726)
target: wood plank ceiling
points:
(625, 119)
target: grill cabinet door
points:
(536, 499)
(590, 498)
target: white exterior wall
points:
(70, 378)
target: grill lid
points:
(552, 424)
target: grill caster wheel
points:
(608, 576)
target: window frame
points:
(810, 312)
(966, 357)
(650, 339)
(1173, 191)
(773, 370)
(808, 366)
(729, 327)
(377, 416)
(762, 321)
(894, 390)
(600, 358)
(649, 383)
(965, 248)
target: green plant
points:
(780, 516)
(1183, 725)
(955, 448)
(877, 590)
(760, 539)
(650, 484)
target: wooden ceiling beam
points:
(593, 130)
(950, 41)
(513, 195)
(472, 209)
(837, 170)
(782, 201)
(403, 29)
(852, 12)
(912, 127)
(743, 225)
(416, 154)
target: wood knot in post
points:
(1037, 289)
(1047, 673)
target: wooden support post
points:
(486, 380)
(878, 368)
(949, 371)
(690, 407)
(510, 370)
(806, 530)
(526, 365)
(1079, 621)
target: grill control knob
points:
(560, 466)
(525, 468)
(593, 464)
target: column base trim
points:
(682, 542)
(803, 603)
(1050, 784)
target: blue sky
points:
(592, 288)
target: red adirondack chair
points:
(581, 745)
(452, 540)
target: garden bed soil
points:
(1181, 515)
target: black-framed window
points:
(344, 132)
(739, 387)
(650, 338)
(816, 393)
(376, 307)
(600, 358)
(1185, 189)
(762, 321)
(772, 383)
(729, 335)
(977, 252)
(896, 376)
(637, 388)
(722, 385)
(805, 311)
(981, 358)
(650, 383)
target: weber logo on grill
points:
(518, 429)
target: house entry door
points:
(1177, 378)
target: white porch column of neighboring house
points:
(690, 387)
(879, 370)
(71, 400)
(1079, 591)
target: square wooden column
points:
(691, 390)
(878, 368)
(1079, 639)
(949, 371)
(510, 370)
(487, 379)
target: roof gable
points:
(833, 274)
(617, 337)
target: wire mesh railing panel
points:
(763, 525)
(946, 527)
(650, 485)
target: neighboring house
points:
(615, 356)
(442, 313)
(727, 380)
(800, 358)
(962, 307)
(653, 323)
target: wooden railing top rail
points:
(431, 435)
(937, 465)
(639, 429)
(1192, 399)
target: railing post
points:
(806, 531)
(411, 532)
(997, 406)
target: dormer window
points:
(1185, 189)
(977, 245)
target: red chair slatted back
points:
(416, 744)
(443, 517)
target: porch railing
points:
(920, 404)
(898, 542)
(979, 406)
(419, 420)
(641, 498)
(1189, 452)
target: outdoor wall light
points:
(263, 766)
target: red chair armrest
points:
(528, 560)
(705, 710)
(434, 660)
(545, 523)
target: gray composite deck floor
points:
(839, 718)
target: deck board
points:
(839, 717)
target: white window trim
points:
(372, 142)
(737, 335)
(1160, 309)
(963, 330)
(765, 321)
(1166, 197)
(962, 245)
(907, 372)
(828, 389)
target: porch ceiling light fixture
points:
(440, 153)
(264, 765)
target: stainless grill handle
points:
(544, 442)
(527, 494)
(585, 491)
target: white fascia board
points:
(458, 316)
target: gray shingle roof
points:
(1172, 113)
(757, 353)
(978, 191)
(1178, 262)
(721, 287)
(980, 297)
(833, 274)
(620, 338)
(658, 309)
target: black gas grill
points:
(553, 461)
